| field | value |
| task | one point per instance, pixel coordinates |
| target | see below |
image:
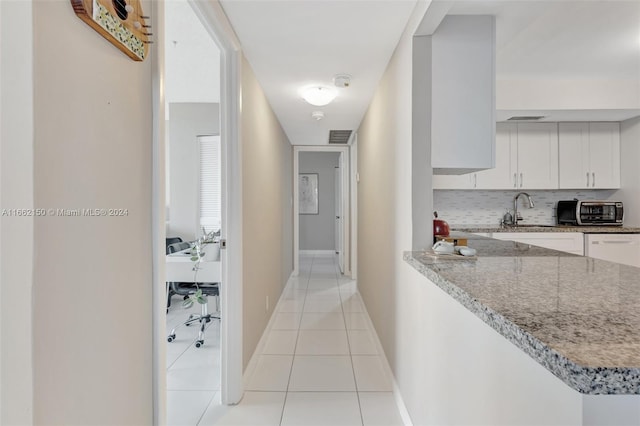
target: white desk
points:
(179, 266)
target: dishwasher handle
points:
(614, 242)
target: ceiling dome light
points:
(319, 95)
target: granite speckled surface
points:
(578, 317)
(548, 228)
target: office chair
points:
(187, 289)
(168, 242)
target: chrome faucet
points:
(516, 216)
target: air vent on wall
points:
(526, 118)
(339, 136)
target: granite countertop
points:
(576, 316)
(547, 228)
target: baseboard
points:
(313, 252)
(251, 366)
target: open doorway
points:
(196, 173)
(322, 204)
(193, 215)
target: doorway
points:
(215, 24)
(326, 226)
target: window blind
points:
(210, 187)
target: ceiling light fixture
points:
(317, 115)
(319, 95)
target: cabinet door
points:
(538, 156)
(453, 181)
(573, 156)
(604, 148)
(568, 242)
(503, 176)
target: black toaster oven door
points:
(566, 212)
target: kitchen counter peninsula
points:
(576, 316)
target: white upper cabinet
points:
(463, 94)
(589, 155)
(467, 181)
(526, 157)
(537, 156)
(502, 176)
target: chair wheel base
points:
(199, 343)
(171, 338)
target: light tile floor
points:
(319, 364)
(193, 374)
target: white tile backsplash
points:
(459, 207)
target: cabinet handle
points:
(475, 180)
(587, 179)
(593, 179)
(521, 180)
(515, 180)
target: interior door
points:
(339, 238)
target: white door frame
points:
(353, 172)
(216, 23)
(345, 168)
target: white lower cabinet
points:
(569, 242)
(483, 234)
(619, 248)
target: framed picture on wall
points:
(308, 193)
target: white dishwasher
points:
(620, 248)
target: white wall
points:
(317, 231)
(630, 178)
(191, 74)
(92, 149)
(385, 215)
(16, 233)
(575, 93)
(267, 168)
(187, 121)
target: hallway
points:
(319, 361)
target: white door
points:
(338, 214)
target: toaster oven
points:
(589, 212)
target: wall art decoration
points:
(122, 22)
(308, 196)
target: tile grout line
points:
(293, 359)
(353, 370)
(207, 407)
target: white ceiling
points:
(294, 43)
(563, 39)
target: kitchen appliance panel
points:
(619, 248)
